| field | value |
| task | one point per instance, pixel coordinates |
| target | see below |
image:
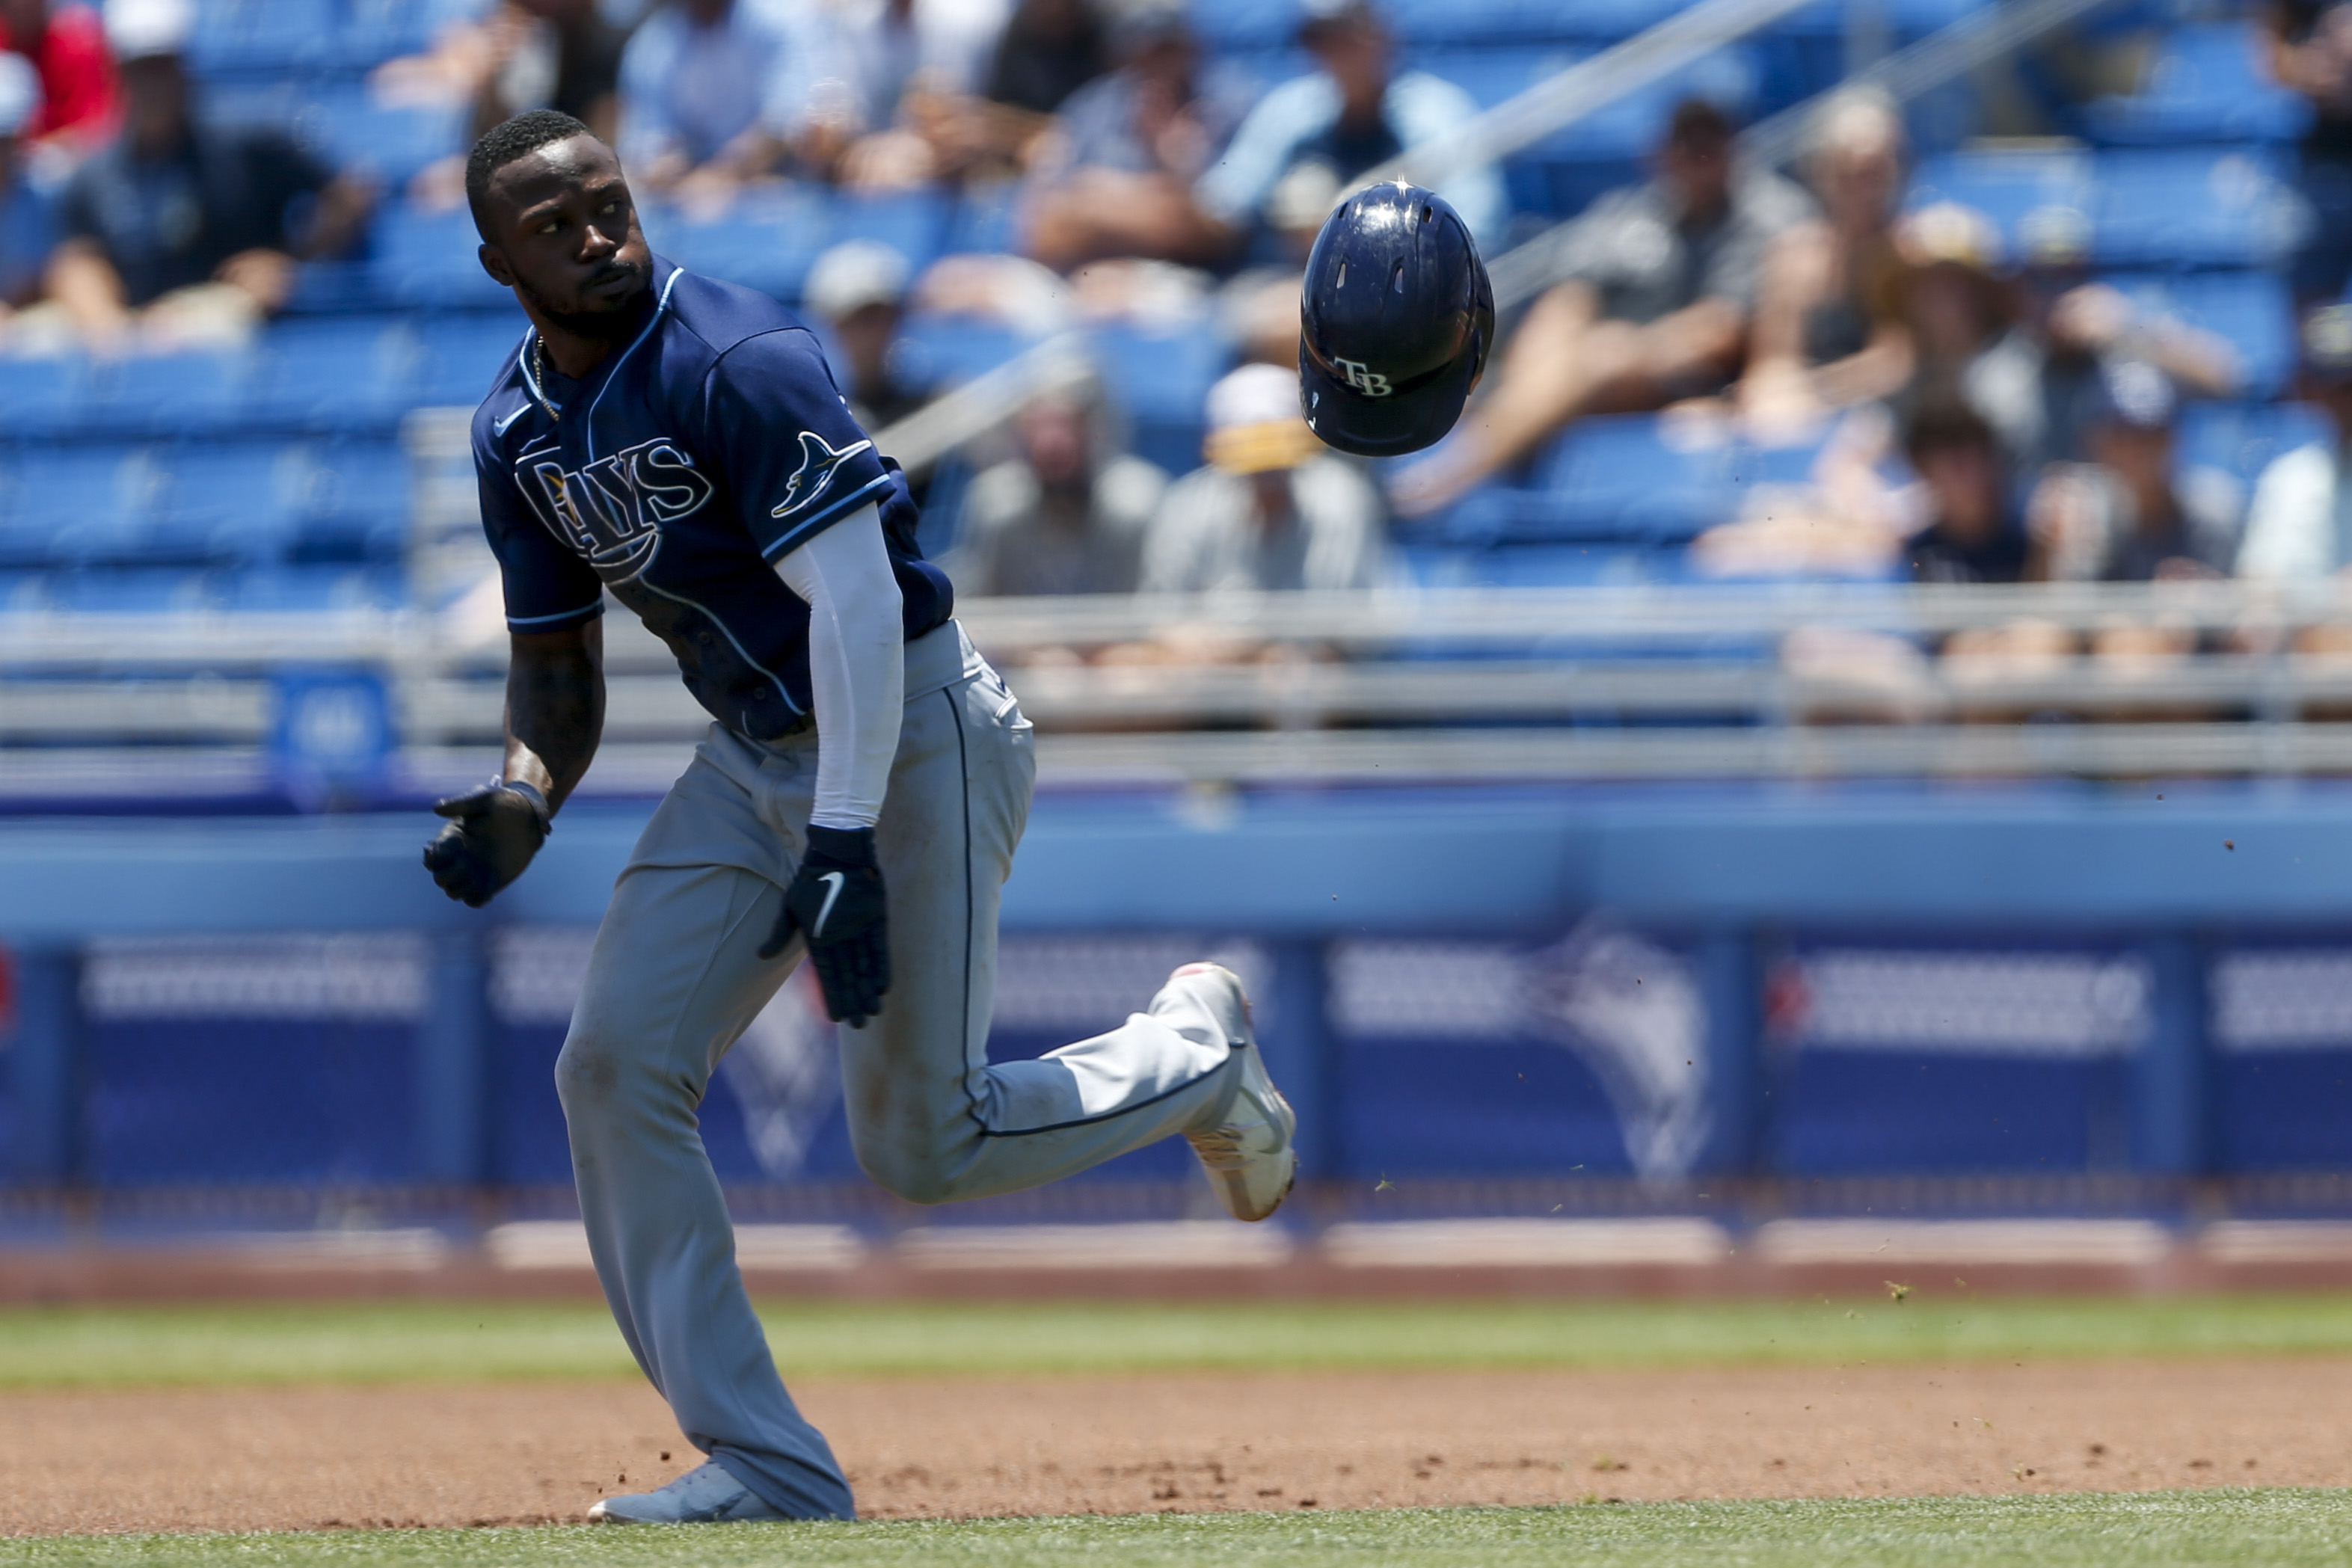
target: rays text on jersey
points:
(612, 511)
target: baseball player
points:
(679, 444)
(1396, 320)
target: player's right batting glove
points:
(837, 904)
(492, 834)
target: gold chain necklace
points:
(539, 368)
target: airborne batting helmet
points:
(1396, 319)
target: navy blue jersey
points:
(674, 474)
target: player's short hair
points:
(504, 142)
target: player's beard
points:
(610, 324)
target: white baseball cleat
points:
(706, 1494)
(1251, 1154)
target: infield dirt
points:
(429, 1455)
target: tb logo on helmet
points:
(1371, 383)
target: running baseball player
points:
(678, 443)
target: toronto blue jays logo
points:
(819, 463)
(613, 510)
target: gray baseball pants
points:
(676, 976)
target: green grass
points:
(2149, 1531)
(420, 1341)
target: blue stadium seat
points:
(2205, 84)
(79, 505)
(261, 35)
(2192, 207)
(229, 501)
(348, 127)
(1159, 377)
(374, 31)
(1629, 127)
(765, 243)
(428, 259)
(985, 220)
(111, 591)
(45, 397)
(913, 223)
(170, 395)
(1619, 478)
(2252, 309)
(463, 355)
(2239, 439)
(947, 350)
(353, 502)
(333, 373)
(310, 588)
(2033, 196)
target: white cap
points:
(852, 275)
(1254, 394)
(20, 93)
(137, 29)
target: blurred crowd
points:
(1983, 408)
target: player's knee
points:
(905, 1174)
(594, 1067)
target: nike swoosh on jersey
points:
(500, 427)
(833, 881)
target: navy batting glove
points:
(837, 904)
(493, 833)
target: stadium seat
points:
(428, 259)
(40, 398)
(2239, 439)
(1620, 479)
(1161, 376)
(79, 505)
(310, 588)
(948, 351)
(170, 395)
(2033, 196)
(2205, 85)
(765, 243)
(353, 502)
(2252, 309)
(2192, 207)
(349, 128)
(463, 355)
(258, 36)
(236, 502)
(146, 590)
(333, 373)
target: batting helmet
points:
(1396, 317)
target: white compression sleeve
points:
(857, 665)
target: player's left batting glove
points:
(837, 904)
(492, 834)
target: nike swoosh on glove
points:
(493, 833)
(836, 905)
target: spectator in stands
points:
(2309, 45)
(2086, 327)
(898, 105)
(1961, 333)
(1828, 322)
(27, 228)
(1049, 49)
(1649, 304)
(1067, 514)
(1971, 534)
(1309, 139)
(716, 92)
(185, 231)
(2120, 517)
(1116, 176)
(564, 55)
(2299, 524)
(858, 289)
(80, 103)
(1272, 509)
